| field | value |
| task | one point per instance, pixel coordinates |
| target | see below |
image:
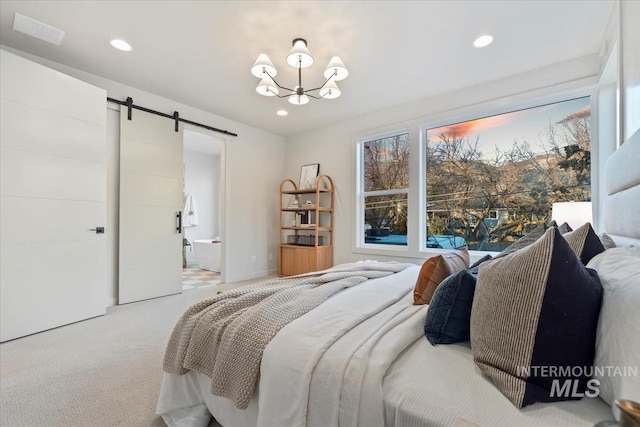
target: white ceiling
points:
(200, 52)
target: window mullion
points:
(386, 192)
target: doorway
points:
(203, 243)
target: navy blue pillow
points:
(449, 313)
(584, 242)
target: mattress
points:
(361, 359)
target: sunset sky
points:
(525, 125)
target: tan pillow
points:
(435, 270)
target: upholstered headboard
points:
(622, 204)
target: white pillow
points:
(618, 334)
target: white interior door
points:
(151, 196)
(52, 191)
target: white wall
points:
(201, 180)
(253, 169)
(333, 146)
(251, 211)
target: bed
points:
(360, 358)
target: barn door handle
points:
(179, 218)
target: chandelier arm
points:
(323, 84)
(277, 84)
(312, 96)
(280, 96)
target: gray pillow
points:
(607, 241)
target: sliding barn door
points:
(151, 196)
(52, 198)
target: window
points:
(491, 180)
(384, 189)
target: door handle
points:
(98, 230)
(179, 218)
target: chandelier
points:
(299, 58)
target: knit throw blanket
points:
(224, 337)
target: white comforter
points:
(361, 359)
(347, 345)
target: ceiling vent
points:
(37, 29)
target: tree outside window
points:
(491, 180)
(386, 183)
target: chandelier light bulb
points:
(267, 87)
(262, 64)
(296, 99)
(336, 69)
(300, 55)
(330, 90)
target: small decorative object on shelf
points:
(307, 244)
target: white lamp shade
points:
(576, 214)
(330, 90)
(299, 55)
(262, 64)
(336, 69)
(267, 87)
(296, 99)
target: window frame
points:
(494, 110)
(361, 194)
(416, 211)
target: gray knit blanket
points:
(224, 337)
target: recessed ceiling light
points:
(121, 45)
(282, 112)
(483, 41)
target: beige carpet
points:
(104, 371)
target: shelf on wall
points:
(307, 191)
(291, 245)
(297, 258)
(307, 228)
(321, 209)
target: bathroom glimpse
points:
(202, 246)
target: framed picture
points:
(308, 175)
